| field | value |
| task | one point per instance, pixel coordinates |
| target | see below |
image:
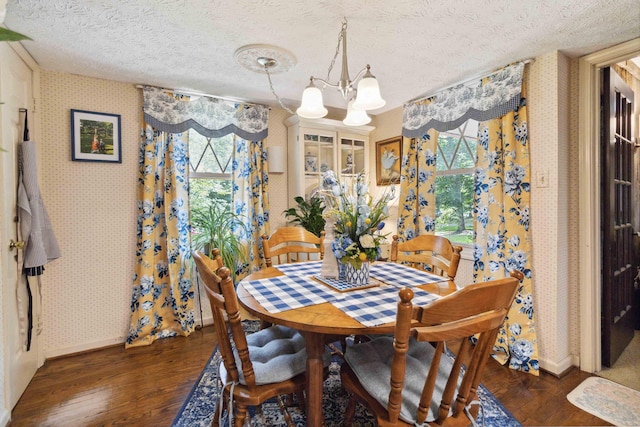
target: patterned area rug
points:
(610, 401)
(199, 407)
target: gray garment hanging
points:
(41, 244)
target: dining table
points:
(325, 310)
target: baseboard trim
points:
(84, 347)
(5, 417)
(557, 368)
(97, 345)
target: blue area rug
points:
(199, 407)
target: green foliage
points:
(454, 199)
(307, 214)
(11, 36)
(215, 225)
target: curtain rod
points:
(193, 93)
(465, 81)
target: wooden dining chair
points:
(291, 244)
(255, 367)
(429, 252)
(411, 378)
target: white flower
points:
(366, 241)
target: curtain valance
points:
(494, 96)
(209, 116)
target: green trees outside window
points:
(454, 183)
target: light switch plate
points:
(542, 179)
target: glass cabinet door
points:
(352, 156)
(318, 153)
(319, 156)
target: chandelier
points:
(270, 60)
(365, 97)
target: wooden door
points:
(20, 364)
(617, 212)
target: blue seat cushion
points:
(277, 354)
(371, 362)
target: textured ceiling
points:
(414, 47)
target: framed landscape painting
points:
(95, 137)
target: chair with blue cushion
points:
(411, 378)
(255, 367)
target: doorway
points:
(590, 250)
(21, 357)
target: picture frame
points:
(388, 160)
(95, 137)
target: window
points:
(454, 183)
(210, 174)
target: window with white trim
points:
(210, 176)
(455, 166)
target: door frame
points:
(34, 132)
(589, 197)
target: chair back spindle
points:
(429, 252)
(291, 244)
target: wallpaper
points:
(92, 206)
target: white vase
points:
(330, 265)
(357, 276)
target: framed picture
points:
(388, 160)
(95, 137)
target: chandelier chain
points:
(343, 29)
(273, 91)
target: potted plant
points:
(307, 214)
(215, 225)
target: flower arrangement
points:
(358, 218)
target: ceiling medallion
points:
(257, 57)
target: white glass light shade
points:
(368, 97)
(356, 117)
(312, 106)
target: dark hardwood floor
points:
(146, 387)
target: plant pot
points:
(357, 276)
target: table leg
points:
(315, 350)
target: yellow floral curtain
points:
(162, 303)
(501, 228)
(417, 202)
(502, 191)
(251, 199)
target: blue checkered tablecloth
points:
(377, 306)
(300, 268)
(397, 275)
(283, 293)
(400, 275)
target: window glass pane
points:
(454, 203)
(210, 155)
(454, 182)
(465, 157)
(447, 146)
(206, 190)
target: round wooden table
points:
(319, 324)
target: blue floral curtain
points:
(502, 184)
(502, 229)
(162, 302)
(417, 202)
(250, 199)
